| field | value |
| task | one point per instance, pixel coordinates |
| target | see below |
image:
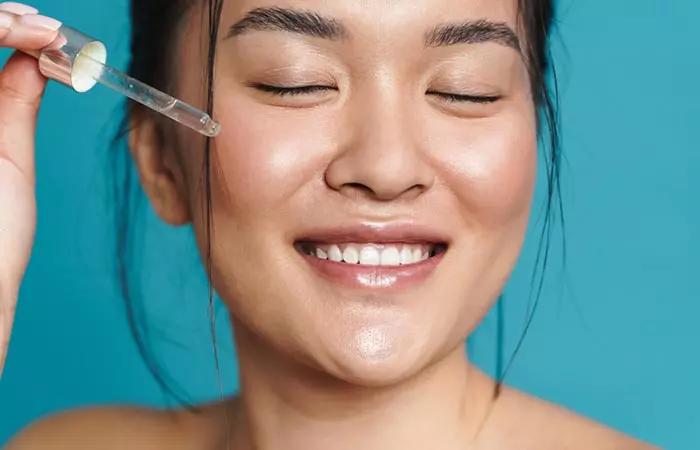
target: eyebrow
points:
(472, 32)
(290, 20)
(312, 24)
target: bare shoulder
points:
(111, 428)
(532, 423)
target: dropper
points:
(79, 61)
(151, 97)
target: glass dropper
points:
(150, 97)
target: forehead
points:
(386, 16)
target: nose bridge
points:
(384, 131)
(381, 152)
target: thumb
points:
(21, 89)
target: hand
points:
(21, 90)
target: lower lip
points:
(378, 278)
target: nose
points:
(380, 155)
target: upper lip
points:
(377, 233)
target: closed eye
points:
(465, 98)
(284, 91)
(290, 91)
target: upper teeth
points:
(371, 254)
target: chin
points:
(376, 356)
(375, 374)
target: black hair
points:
(537, 20)
(154, 28)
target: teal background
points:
(616, 331)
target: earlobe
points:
(159, 174)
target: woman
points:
(368, 200)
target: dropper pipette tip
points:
(212, 128)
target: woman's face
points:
(381, 131)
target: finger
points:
(21, 89)
(7, 317)
(17, 8)
(27, 31)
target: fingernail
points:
(34, 20)
(57, 43)
(17, 8)
(6, 20)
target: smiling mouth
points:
(372, 254)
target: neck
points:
(285, 405)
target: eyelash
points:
(463, 98)
(302, 90)
(292, 91)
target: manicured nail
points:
(58, 42)
(6, 20)
(17, 8)
(34, 20)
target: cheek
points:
(491, 168)
(265, 156)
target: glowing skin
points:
(375, 156)
(371, 160)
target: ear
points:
(159, 172)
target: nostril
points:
(359, 187)
(416, 189)
(362, 191)
(357, 190)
